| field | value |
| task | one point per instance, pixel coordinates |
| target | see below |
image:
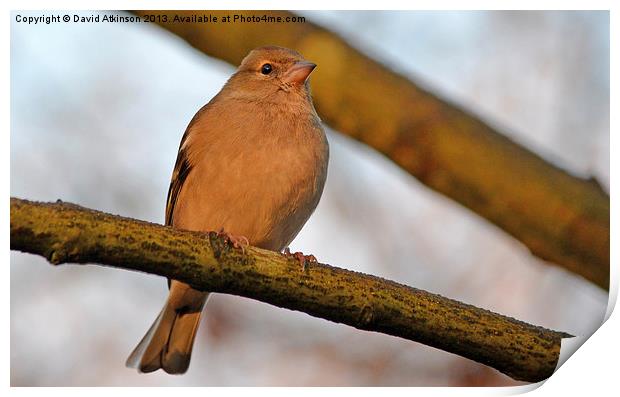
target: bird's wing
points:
(179, 175)
(182, 168)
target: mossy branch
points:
(67, 233)
(559, 217)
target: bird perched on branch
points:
(252, 163)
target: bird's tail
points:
(168, 343)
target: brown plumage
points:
(252, 161)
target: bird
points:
(252, 164)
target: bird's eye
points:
(266, 68)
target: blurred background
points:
(97, 113)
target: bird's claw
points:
(300, 257)
(235, 241)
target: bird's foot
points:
(303, 259)
(235, 241)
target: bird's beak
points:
(299, 72)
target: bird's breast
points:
(260, 175)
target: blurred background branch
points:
(561, 218)
(67, 233)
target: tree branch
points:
(63, 233)
(559, 217)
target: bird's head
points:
(271, 74)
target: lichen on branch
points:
(67, 233)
